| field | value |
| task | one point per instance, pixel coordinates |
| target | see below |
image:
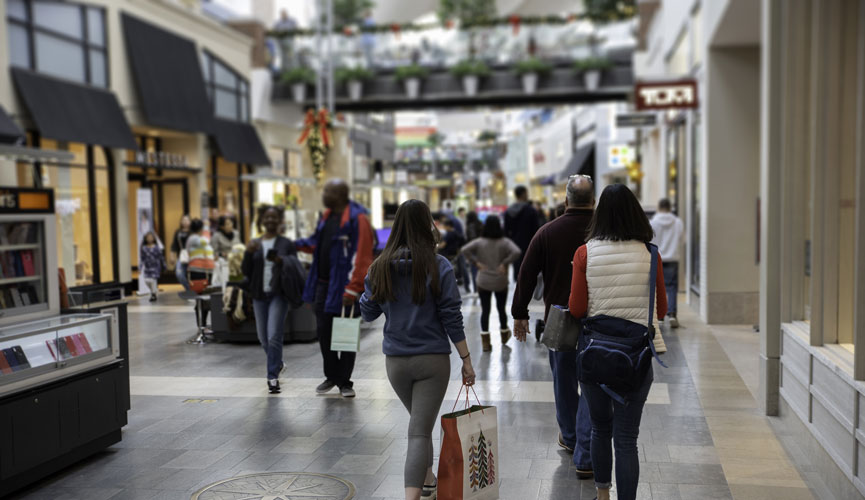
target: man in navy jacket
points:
(342, 249)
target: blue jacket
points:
(412, 329)
(350, 257)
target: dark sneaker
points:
(324, 387)
(429, 491)
(563, 445)
(583, 474)
(273, 386)
(347, 392)
(153, 298)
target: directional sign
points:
(636, 120)
(679, 94)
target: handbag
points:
(616, 353)
(345, 333)
(469, 458)
(561, 331)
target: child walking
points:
(153, 262)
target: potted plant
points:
(353, 78)
(411, 75)
(529, 70)
(471, 72)
(591, 69)
(298, 78)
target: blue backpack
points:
(616, 353)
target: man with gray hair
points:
(550, 254)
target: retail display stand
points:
(64, 378)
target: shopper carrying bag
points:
(611, 287)
(469, 460)
(417, 292)
(346, 333)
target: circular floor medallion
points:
(278, 486)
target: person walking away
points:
(262, 270)
(550, 254)
(474, 228)
(178, 251)
(342, 248)
(417, 292)
(492, 253)
(669, 237)
(153, 262)
(521, 224)
(609, 278)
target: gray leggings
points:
(420, 382)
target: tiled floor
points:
(201, 413)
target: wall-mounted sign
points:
(636, 120)
(24, 200)
(160, 159)
(621, 155)
(680, 94)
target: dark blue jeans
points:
(620, 424)
(270, 325)
(572, 412)
(671, 283)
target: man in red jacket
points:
(550, 254)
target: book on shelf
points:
(64, 351)
(27, 263)
(70, 344)
(24, 297)
(79, 347)
(30, 290)
(22, 233)
(84, 342)
(16, 297)
(5, 367)
(21, 357)
(19, 264)
(52, 346)
(4, 234)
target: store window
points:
(695, 205)
(63, 39)
(227, 90)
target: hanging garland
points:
(316, 136)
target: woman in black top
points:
(474, 228)
(178, 248)
(262, 270)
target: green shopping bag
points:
(346, 333)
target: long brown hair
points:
(412, 239)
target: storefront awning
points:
(238, 142)
(583, 163)
(9, 132)
(69, 111)
(168, 77)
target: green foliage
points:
(357, 73)
(592, 63)
(609, 10)
(470, 67)
(532, 65)
(298, 75)
(488, 136)
(410, 71)
(467, 11)
(435, 139)
(347, 12)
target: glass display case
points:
(36, 351)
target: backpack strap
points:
(653, 276)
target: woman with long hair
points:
(417, 292)
(492, 253)
(610, 278)
(262, 270)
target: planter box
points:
(355, 89)
(530, 83)
(298, 92)
(470, 85)
(591, 79)
(412, 88)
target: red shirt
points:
(578, 304)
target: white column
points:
(121, 239)
(8, 172)
(771, 106)
(859, 271)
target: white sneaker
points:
(660, 346)
(673, 321)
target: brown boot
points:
(485, 340)
(506, 335)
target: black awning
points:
(168, 77)
(583, 162)
(69, 111)
(238, 142)
(9, 132)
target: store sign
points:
(23, 200)
(627, 120)
(681, 94)
(621, 155)
(160, 159)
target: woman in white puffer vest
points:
(610, 277)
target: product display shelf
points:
(24, 289)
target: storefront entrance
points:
(169, 202)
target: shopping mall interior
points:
(187, 183)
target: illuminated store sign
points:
(681, 94)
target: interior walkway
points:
(201, 414)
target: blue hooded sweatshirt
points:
(411, 329)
